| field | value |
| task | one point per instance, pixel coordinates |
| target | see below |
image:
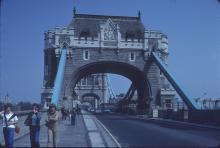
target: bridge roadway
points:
(130, 131)
(117, 130)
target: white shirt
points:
(15, 119)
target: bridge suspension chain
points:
(110, 90)
(191, 103)
(59, 77)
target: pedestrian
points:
(78, 109)
(63, 113)
(73, 117)
(51, 123)
(69, 114)
(33, 121)
(9, 122)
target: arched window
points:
(86, 55)
(131, 56)
(90, 80)
(83, 81)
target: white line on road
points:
(96, 139)
(118, 144)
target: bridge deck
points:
(115, 130)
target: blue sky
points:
(192, 26)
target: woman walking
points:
(33, 121)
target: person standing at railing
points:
(33, 121)
(9, 122)
(51, 123)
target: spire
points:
(74, 11)
(139, 14)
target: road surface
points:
(132, 132)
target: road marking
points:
(96, 140)
(114, 139)
(90, 124)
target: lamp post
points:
(199, 100)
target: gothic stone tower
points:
(105, 44)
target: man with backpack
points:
(9, 122)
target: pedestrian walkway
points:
(68, 135)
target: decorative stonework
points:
(110, 33)
(64, 41)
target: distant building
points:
(92, 89)
(208, 103)
(7, 99)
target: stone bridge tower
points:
(106, 44)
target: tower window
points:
(96, 80)
(129, 35)
(132, 56)
(85, 34)
(86, 55)
(90, 80)
(83, 81)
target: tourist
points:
(9, 122)
(33, 121)
(63, 113)
(73, 117)
(51, 123)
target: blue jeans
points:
(34, 136)
(8, 136)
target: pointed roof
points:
(91, 24)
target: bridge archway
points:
(92, 98)
(137, 76)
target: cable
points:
(111, 92)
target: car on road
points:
(98, 111)
(91, 109)
(107, 111)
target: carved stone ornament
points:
(64, 41)
(109, 31)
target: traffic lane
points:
(133, 132)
